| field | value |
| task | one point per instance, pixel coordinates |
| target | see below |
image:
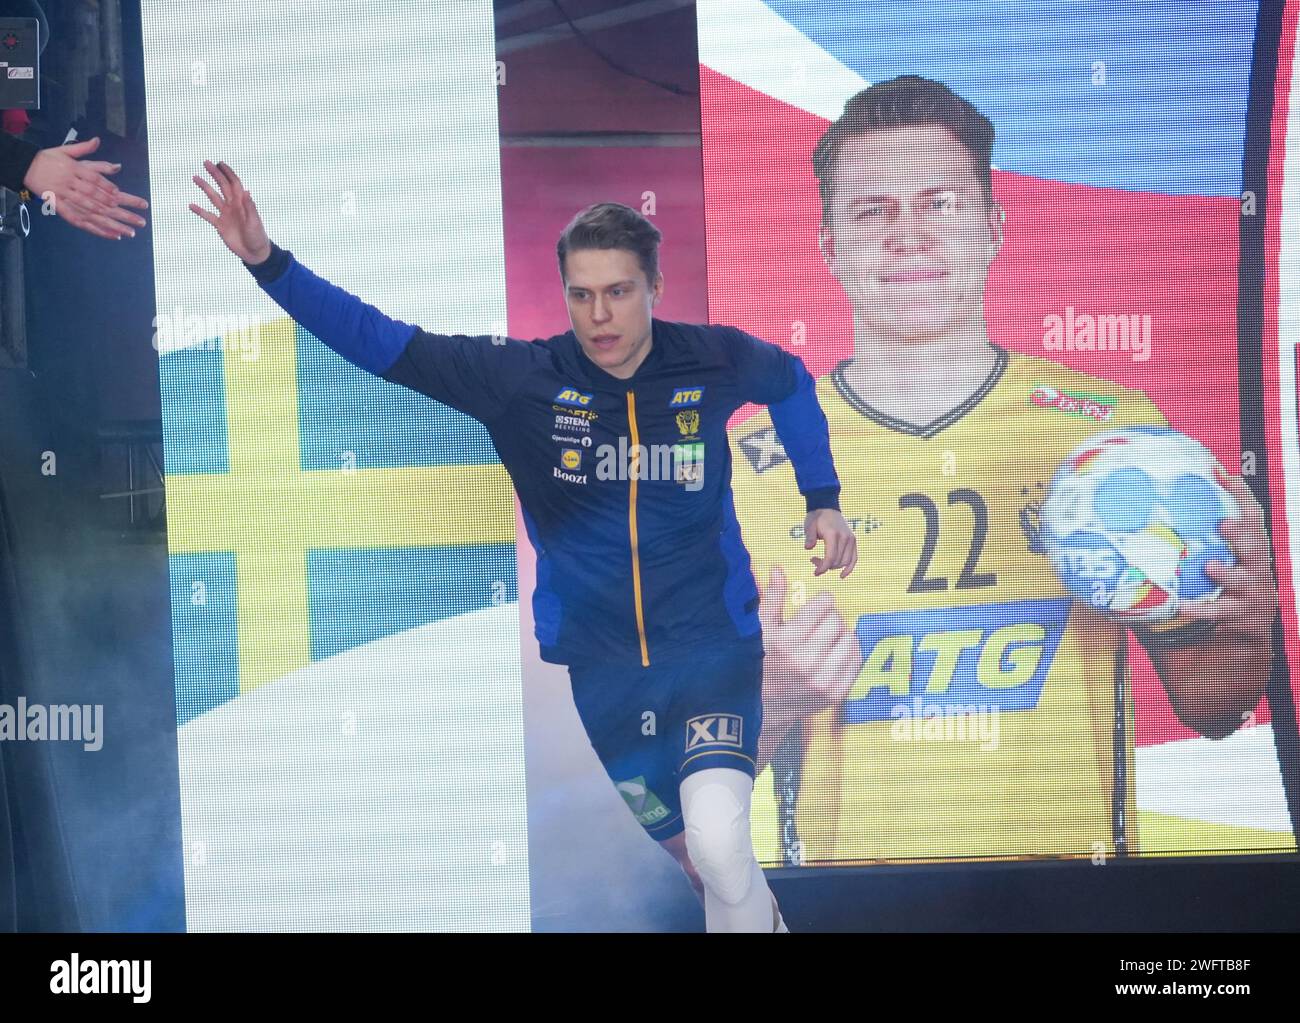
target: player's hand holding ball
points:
(236, 219)
(1145, 526)
(1247, 598)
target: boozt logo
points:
(713, 730)
(577, 399)
(568, 477)
(685, 397)
(991, 655)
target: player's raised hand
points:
(236, 219)
(1249, 599)
(841, 545)
(811, 660)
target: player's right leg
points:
(676, 848)
(612, 704)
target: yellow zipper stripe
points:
(631, 525)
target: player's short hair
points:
(611, 225)
(904, 102)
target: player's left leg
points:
(715, 807)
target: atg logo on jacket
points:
(573, 397)
(685, 397)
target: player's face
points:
(610, 304)
(910, 237)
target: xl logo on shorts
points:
(713, 730)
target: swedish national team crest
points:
(688, 423)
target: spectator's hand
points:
(237, 220)
(841, 545)
(811, 661)
(82, 193)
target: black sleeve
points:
(16, 158)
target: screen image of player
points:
(342, 551)
(983, 711)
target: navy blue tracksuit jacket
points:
(634, 570)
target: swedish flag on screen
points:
(320, 509)
(342, 550)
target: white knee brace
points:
(715, 806)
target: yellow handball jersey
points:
(984, 721)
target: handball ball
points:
(1131, 520)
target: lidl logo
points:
(993, 655)
(684, 397)
(569, 396)
(571, 458)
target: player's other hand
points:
(236, 220)
(841, 545)
(811, 661)
(83, 194)
(1248, 603)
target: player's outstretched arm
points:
(478, 376)
(357, 331)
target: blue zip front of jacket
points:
(625, 485)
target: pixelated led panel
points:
(342, 550)
(1118, 159)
